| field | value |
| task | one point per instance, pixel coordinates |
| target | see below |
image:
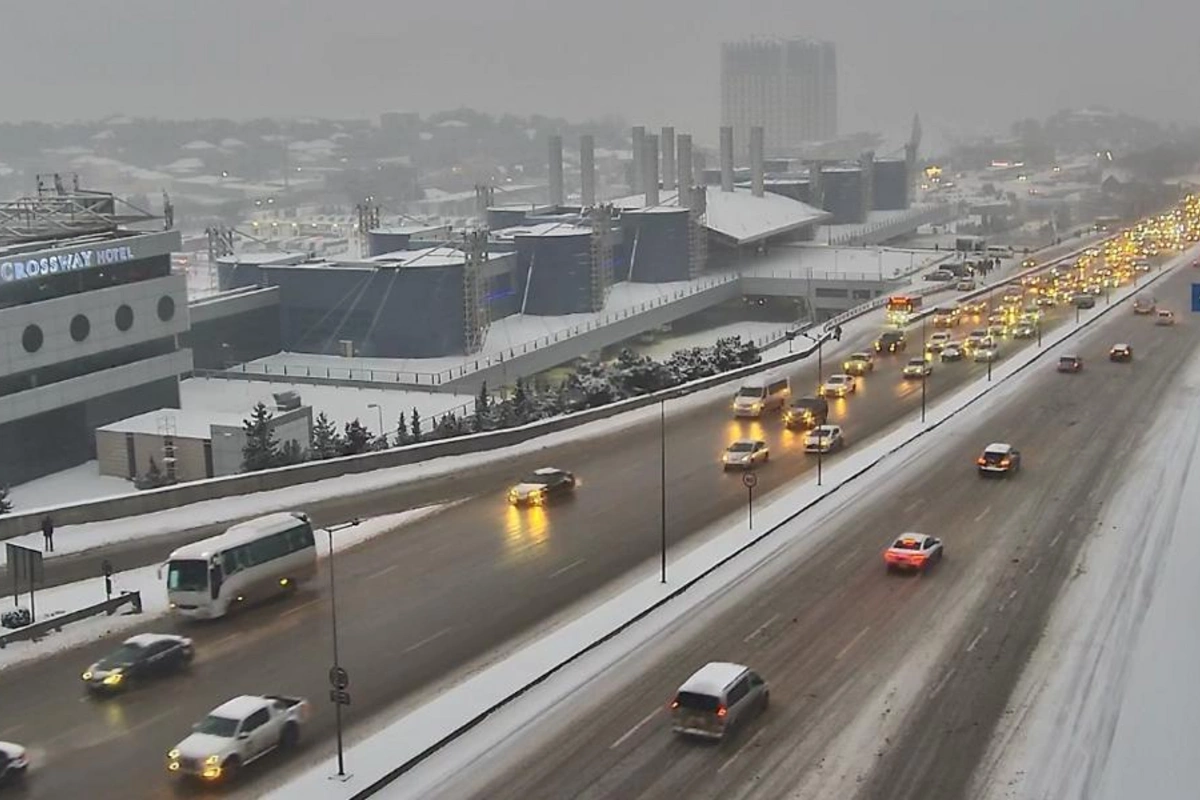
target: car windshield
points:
(859, 357)
(834, 380)
(1068, 360)
(218, 726)
(916, 362)
(697, 702)
(906, 544)
(741, 447)
(123, 656)
(994, 457)
(189, 575)
(750, 391)
(535, 478)
(822, 432)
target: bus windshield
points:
(187, 576)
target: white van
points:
(761, 393)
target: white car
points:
(824, 439)
(952, 352)
(913, 551)
(984, 354)
(236, 733)
(1164, 317)
(838, 386)
(745, 453)
(14, 762)
(859, 364)
(937, 341)
(918, 368)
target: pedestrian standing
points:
(48, 534)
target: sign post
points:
(25, 563)
(750, 480)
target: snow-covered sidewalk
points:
(1108, 707)
(69, 597)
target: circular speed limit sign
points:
(749, 480)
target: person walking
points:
(48, 534)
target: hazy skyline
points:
(965, 66)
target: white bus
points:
(249, 562)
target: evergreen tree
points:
(5, 504)
(521, 403)
(291, 453)
(325, 441)
(358, 438)
(402, 437)
(261, 450)
(416, 425)
(483, 407)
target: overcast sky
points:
(964, 64)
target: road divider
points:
(394, 752)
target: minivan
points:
(717, 698)
(761, 393)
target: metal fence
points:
(39, 629)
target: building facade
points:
(787, 86)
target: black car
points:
(806, 412)
(142, 657)
(1120, 353)
(890, 342)
(541, 487)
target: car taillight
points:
(674, 704)
(722, 711)
(1004, 462)
(982, 462)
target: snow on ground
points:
(1107, 708)
(414, 732)
(59, 600)
(75, 485)
(749, 330)
(340, 403)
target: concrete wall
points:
(112, 453)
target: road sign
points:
(339, 696)
(1196, 297)
(749, 480)
(338, 678)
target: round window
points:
(166, 308)
(80, 327)
(32, 338)
(124, 318)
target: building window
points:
(32, 338)
(861, 294)
(839, 293)
(124, 317)
(166, 308)
(80, 327)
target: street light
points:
(378, 408)
(662, 425)
(337, 676)
(924, 375)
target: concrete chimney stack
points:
(727, 158)
(639, 143)
(668, 158)
(650, 169)
(687, 176)
(556, 171)
(757, 167)
(587, 170)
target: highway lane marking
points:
(625, 736)
(294, 609)
(913, 505)
(1035, 566)
(846, 560)
(1057, 536)
(983, 513)
(760, 629)
(942, 683)
(741, 750)
(1007, 600)
(975, 641)
(572, 565)
(384, 571)
(427, 640)
(853, 642)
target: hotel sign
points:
(33, 265)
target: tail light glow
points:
(722, 711)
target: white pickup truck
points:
(236, 733)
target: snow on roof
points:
(410, 229)
(187, 424)
(240, 534)
(741, 216)
(712, 678)
(262, 259)
(543, 229)
(997, 447)
(147, 639)
(239, 707)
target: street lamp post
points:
(338, 677)
(662, 424)
(924, 375)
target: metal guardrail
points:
(39, 629)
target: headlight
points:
(115, 678)
(173, 754)
(213, 760)
(87, 676)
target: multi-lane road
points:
(835, 631)
(417, 606)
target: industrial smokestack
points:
(687, 176)
(556, 171)
(650, 169)
(587, 170)
(639, 144)
(668, 158)
(757, 167)
(727, 158)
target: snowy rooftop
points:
(544, 229)
(192, 423)
(845, 263)
(261, 259)
(412, 229)
(739, 215)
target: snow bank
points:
(59, 600)
(417, 734)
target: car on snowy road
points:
(913, 552)
(541, 487)
(139, 658)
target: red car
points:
(1070, 364)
